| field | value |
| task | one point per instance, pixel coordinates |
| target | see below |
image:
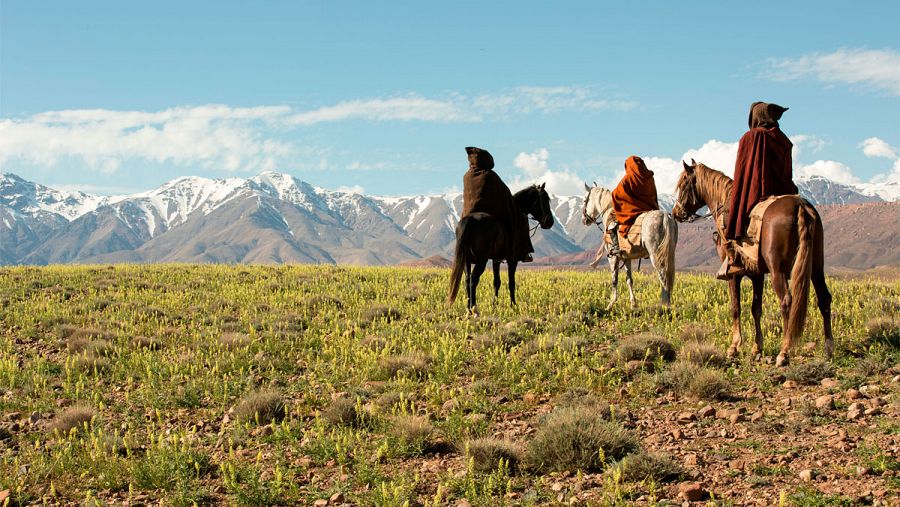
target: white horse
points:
(659, 235)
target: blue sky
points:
(116, 97)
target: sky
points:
(114, 97)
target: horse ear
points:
(595, 183)
(693, 163)
(587, 188)
(688, 168)
(544, 184)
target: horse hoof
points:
(757, 357)
(732, 353)
(781, 360)
(829, 351)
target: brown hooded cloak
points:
(485, 192)
(763, 166)
(635, 194)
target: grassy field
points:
(291, 385)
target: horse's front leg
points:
(480, 264)
(512, 281)
(734, 291)
(630, 282)
(756, 311)
(496, 266)
(614, 267)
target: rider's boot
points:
(613, 232)
(732, 265)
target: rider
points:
(762, 169)
(635, 194)
(484, 191)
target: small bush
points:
(262, 406)
(884, 330)
(487, 452)
(144, 342)
(584, 398)
(689, 379)
(694, 333)
(319, 302)
(232, 341)
(344, 411)
(642, 466)
(553, 342)
(703, 354)
(75, 417)
(578, 438)
(380, 313)
(809, 373)
(409, 365)
(90, 362)
(413, 431)
(645, 347)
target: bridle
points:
(692, 194)
(584, 215)
(545, 211)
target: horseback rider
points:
(635, 194)
(762, 169)
(484, 191)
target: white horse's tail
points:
(665, 252)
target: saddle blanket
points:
(748, 244)
(631, 243)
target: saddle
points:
(747, 245)
(630, 244)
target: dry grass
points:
(645, 347)
(412, 365)
(344, 411)
(144, 342)
(689, 379)
(412, 430)
(703, 354)
(233, 341)
(553, 342)
(578, 438)
(486, 454)
(809, 373)
(884, 330)
(642, 466)
(260, 406)
(584, 398)
(380, 313)
(696, 333)
(75, 417)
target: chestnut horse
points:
(790, 248)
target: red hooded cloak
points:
(635, 194)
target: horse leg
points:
(823, 298)
(496, 266)
(468, 285)
(780, 284)
(512, 281)
(734, 291)
(476, 275)
(614, 267)
(630, 282)
(756, 311)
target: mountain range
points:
(276, 218)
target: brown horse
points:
(790, 248)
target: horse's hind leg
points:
(496, 266)
(476, 275)
(756, 311)
(734, 291)
(630, 282)
(823, 298)
(614, 267)
(512, 281)
(780, 284)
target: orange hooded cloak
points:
(635, 194)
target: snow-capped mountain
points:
(272, 217)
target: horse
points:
(790, 249)
(481, 237)
(659, 236)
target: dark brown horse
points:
(790, 248)
(481, 237)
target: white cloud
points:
(536, 170)
(356, 165)
(219, 137)
(803, 143)
(212, 137)
(355, 189)
(834, 171)
(714, 153)
(879, 69)
(876, 147)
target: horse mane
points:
(716, 184)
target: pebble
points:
(807, 475)
(830, 383)
(853, 394)
(861, 471)
(691, 491)
(686, 417)
(825, 401)
(789, 384)
(707, 411)
(462, 502)
(855, 411)
(756, 416)
(872, 411)
(677, 434)
(736, 418)
(320, 503)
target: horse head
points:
(597, 202)
(687, 196)
(542, 214)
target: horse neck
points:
(604, 210)
(526, 199)
(714, 188)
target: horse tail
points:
(801, 271)
(665, 251)
(459, 260)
